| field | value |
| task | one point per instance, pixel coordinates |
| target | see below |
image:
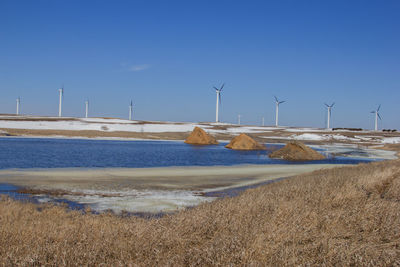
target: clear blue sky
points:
(167, 55)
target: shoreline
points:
(99, 138)
(172, 174)
(150, 190)
(162, 189)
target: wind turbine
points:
(239, 116)
(218, 91)
(376, 117)
(277, 103)
(61, 93)
(262, 121)
(86, 108)
(18, 103)
(130, 110)
(329, 107)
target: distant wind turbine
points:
(130, 110)
(377, 115)
(87, 108)
(218, 91)
(239, 116)
(329, 107)
(277, 103)
(262, 121)
(61, 93)
(18, 103)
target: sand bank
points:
(147, 189)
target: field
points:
(341, 216)
(112, 128)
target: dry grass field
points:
(341, 216)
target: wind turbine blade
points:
(222, 86)
(379, 116)
(372, 111)
(276, 99)
(326, 105)
(220, 99)
(378, 107)
(333, 104)
(215, 88)
(282, 102)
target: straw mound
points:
(200, 137)
(296, 151)
(245, 142)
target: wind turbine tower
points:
(86, 108)
(377, 115)
(130, 110)
(239, 116)
(328, 121)
(218, 91)
(18, 103)
(61, 93)
(262, 121)
(277, 103)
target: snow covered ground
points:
(110, 125)
(391, 140)
(95, 124)
(338, 137)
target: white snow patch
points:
(391, 140)
(276, 137)
(139, 201)
(238, 130)
(103, 120)
(308, 136)
(305, 130)
(323, 137)
(355, 151)
(81, 125)
(342, 137)
(219, 123)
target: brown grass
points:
(342, 216)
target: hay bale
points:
(199, 137)
(245, 142)
(296, 151)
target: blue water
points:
(63, 153)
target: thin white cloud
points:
(135, 68)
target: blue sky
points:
(167, 55)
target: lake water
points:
(75, 153)
(22, 153)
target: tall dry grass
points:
(341, 216)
